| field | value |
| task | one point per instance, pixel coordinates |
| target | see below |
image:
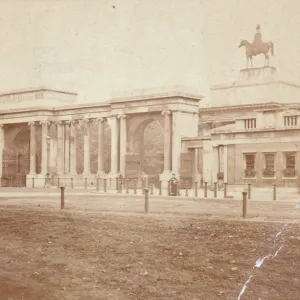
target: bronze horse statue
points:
(262, 48)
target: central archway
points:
(144, 157)
(153, 149)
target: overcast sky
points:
(99, 47)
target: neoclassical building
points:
(249, 132)
(39, 135)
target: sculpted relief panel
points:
(269, 120)
(17, 98)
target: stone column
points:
(123, 143)
(197, 175)
(225, 162)
(86, 147)
(215, 166)
(101, 171)
(67, 147)
(1, 149)
(53, 147)
(60, 148)
(32, 169)
(73, 157)
(167, 141)
(114, 146)
(176, 143)
(44, 163)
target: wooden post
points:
(105, 185)
(143, 186)
(32, 182)
(186, 189)
(196, 189)
(146, 200)
(215, 190)
(159, 188)
(127, 186)
(178, 187)
(225, 190)
(120, 186)
(97, 184)
(62, 197)
(205, 189)
(134, 186)
(249, 191)
(244, 204)
(274, 191)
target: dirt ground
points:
(49, 254)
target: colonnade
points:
(60, 152)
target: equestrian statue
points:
(258, 47)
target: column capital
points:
(112, 116)
(101, 119)
(1, 126)
(78, 123)
(87, 120)
(165, 112)
(31, 124)
(59, 122)
(67, 122)
(44, 122)
(122, 116)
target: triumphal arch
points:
(46, 134)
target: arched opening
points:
(16, 156)
(153, 145)
(145, 144)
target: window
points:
(269, 170)
(290, 161)
(250, 123)
(249, 171)
(250, 159)
(270, 161)
(290, 121)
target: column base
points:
(102, 174)
(164, 178)
(36, 180)
(197, 178)
(112, 183)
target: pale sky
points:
(100, 47)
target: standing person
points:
(173, 185)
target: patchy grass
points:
(53, 255)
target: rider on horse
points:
(257, 41)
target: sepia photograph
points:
(150, 150)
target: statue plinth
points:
(257, 75)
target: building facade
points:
(249, 133)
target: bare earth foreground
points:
(48, 254)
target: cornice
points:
(241, 107)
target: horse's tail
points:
(272, 47)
